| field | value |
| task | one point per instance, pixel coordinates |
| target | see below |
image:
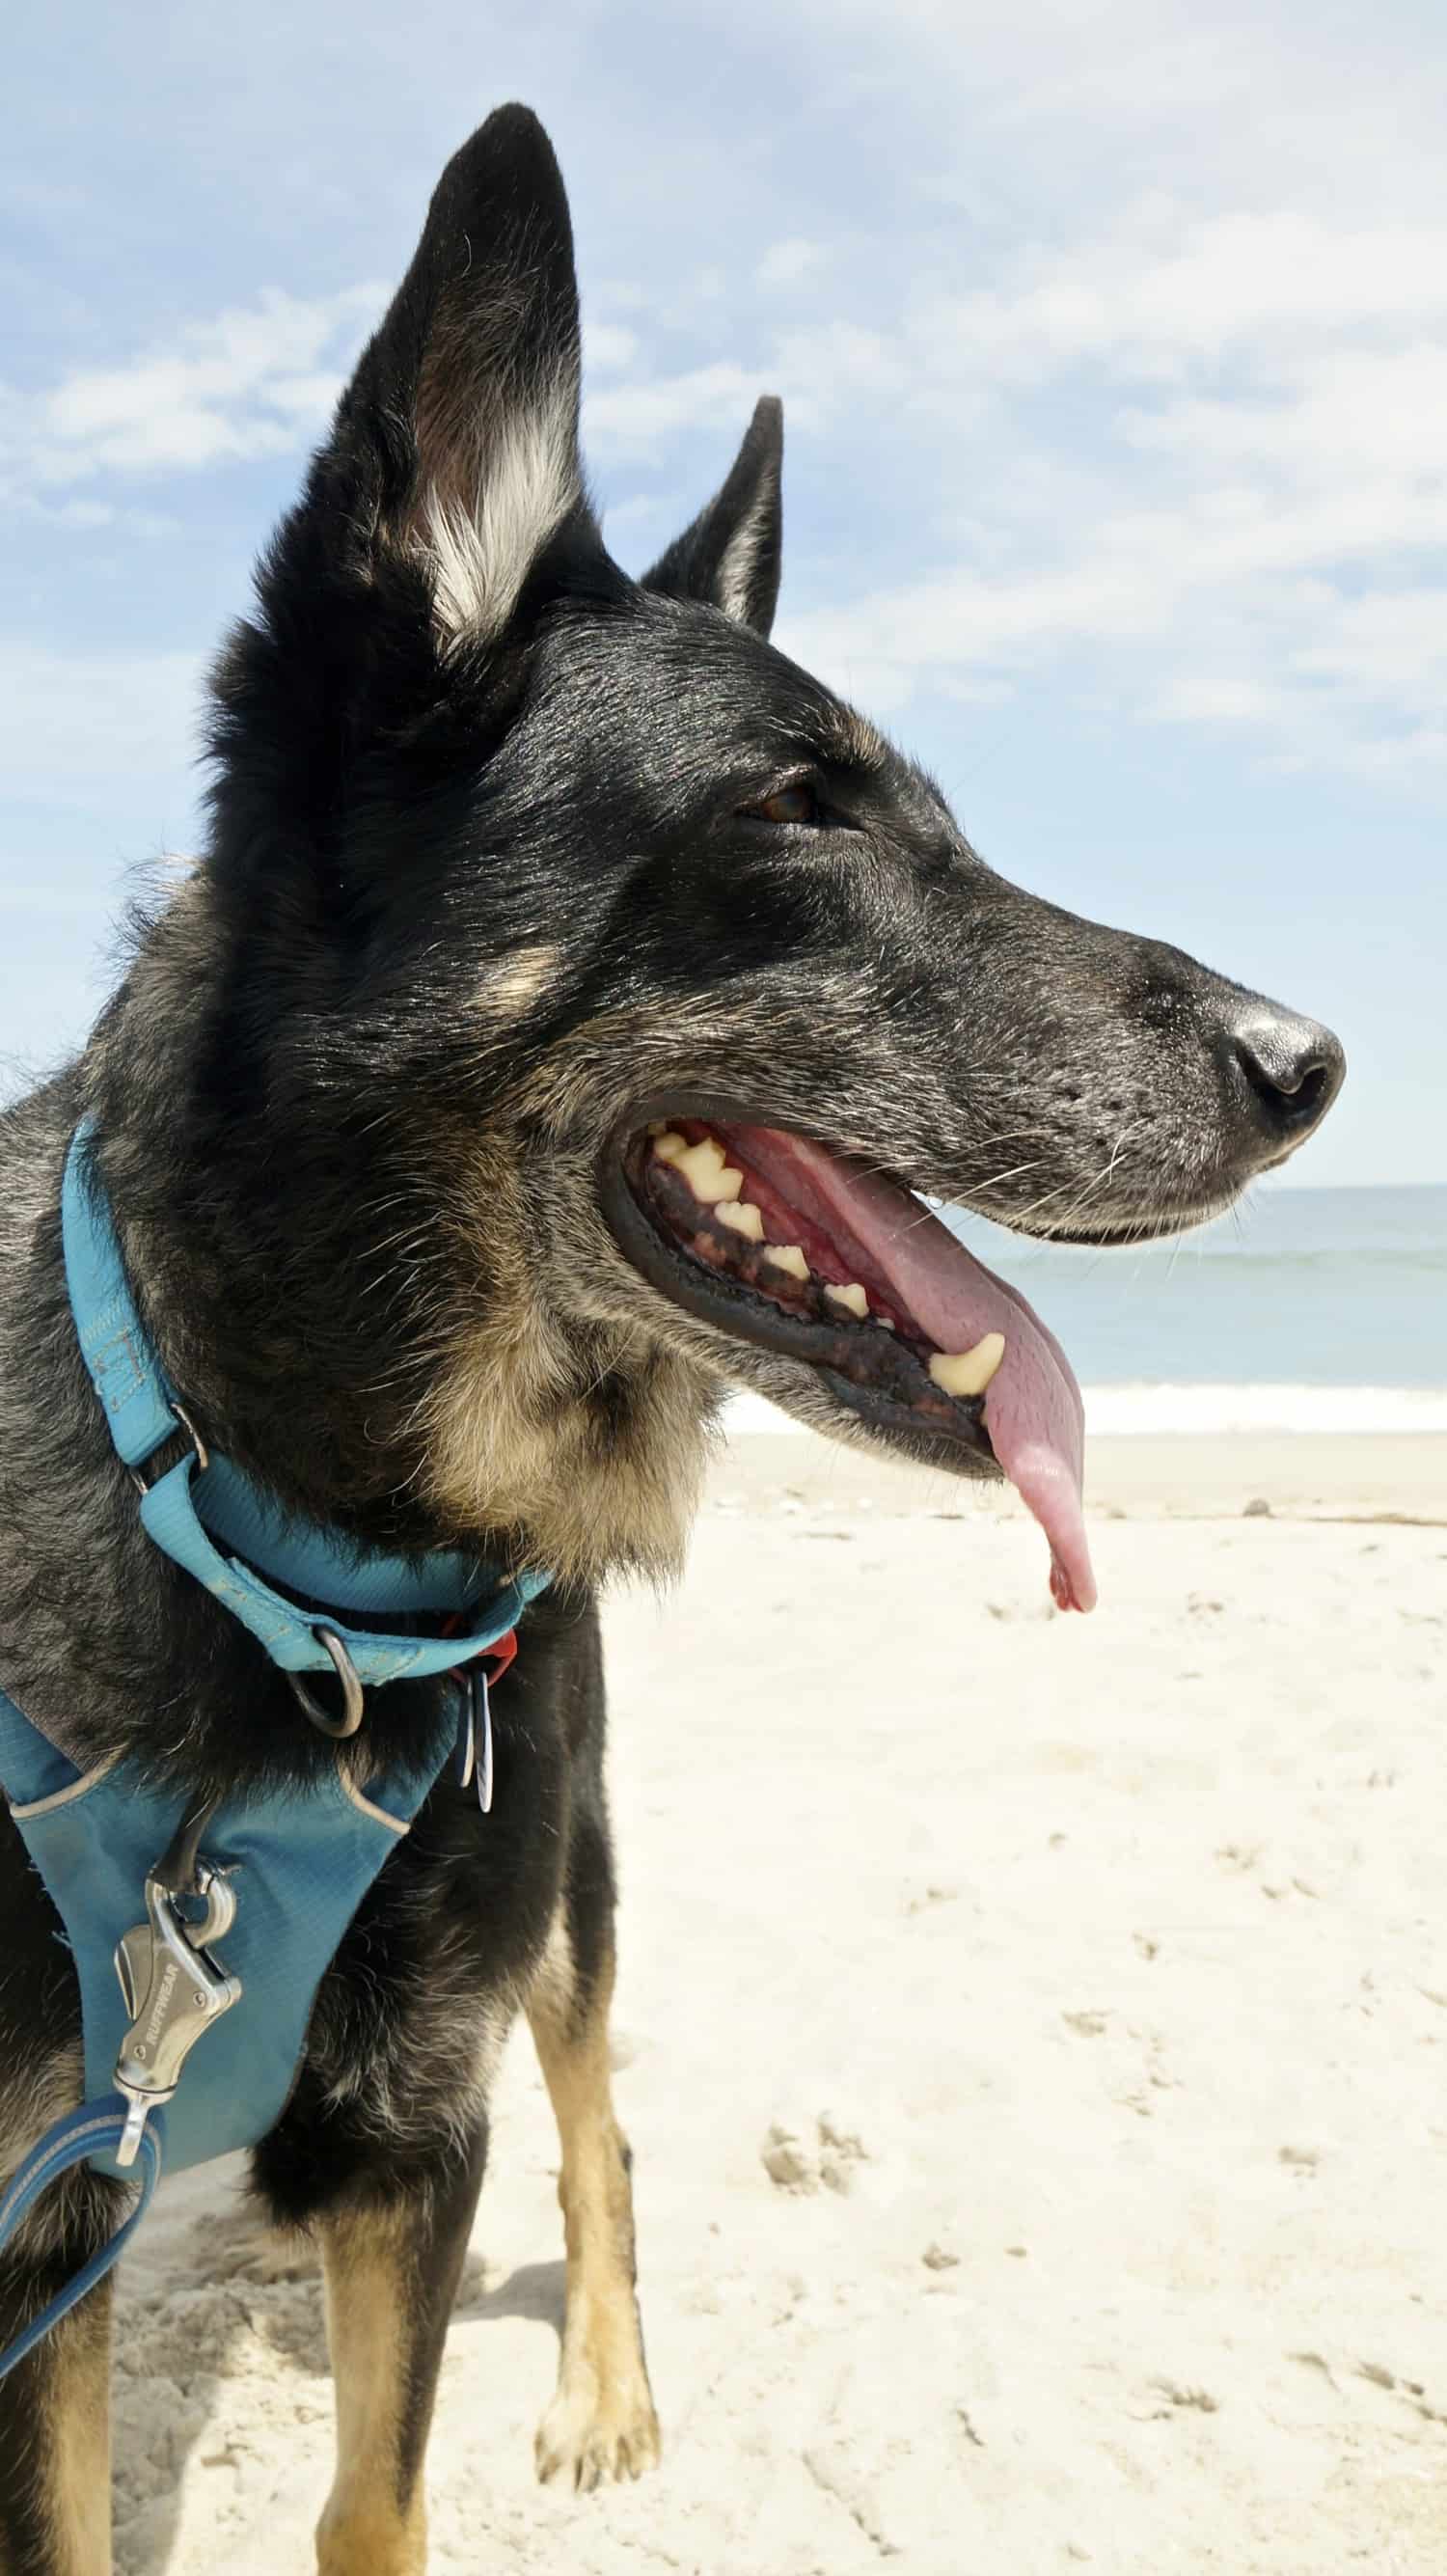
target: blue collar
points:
(224, 1529)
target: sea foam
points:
(1124, 1412)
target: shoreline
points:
(1188, 1408)
(1393, 1477)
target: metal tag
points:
(482, 1707)
(474, 1740)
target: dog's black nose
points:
(1292, 1068)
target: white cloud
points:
(1190, 463)
(789, 263)
(258, 380)
(1158, 292)
(1338, 415)
(638, 416)
(1144, 353)
(1209, 461)
(255, 381)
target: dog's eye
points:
(796, 803)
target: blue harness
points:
(276, 1877)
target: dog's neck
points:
(297, 1264)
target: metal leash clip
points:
(173, 1988)
(474, 1743)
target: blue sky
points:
(1114, 352)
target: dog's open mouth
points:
(779, 1241)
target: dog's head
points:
(582, 955)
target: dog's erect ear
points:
(731, 556)
(456, 443)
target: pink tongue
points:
(1033, 1410)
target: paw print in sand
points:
(795, 2162)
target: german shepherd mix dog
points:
(571, 996)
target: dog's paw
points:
(590, 2434)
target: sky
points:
(1113, 346)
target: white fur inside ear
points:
(480, 557)
(738, 564)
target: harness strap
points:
(93, 2130)
(202, 1500)
(303, 1859)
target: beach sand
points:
(1085, 1981)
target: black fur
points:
(732, 555)
(481, 879)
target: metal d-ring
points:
(138, 1476)
(203, 1454)
(353, 1695)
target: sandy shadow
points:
(534, 2290)
(225, 2295)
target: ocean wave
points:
(1341, 1261)
(1131, 1411)
(1124, 1411)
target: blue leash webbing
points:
(95, 2129)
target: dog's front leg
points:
(391, 2268)
(601, 2422)
(55, 2501)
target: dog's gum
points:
(852, 1297)
(788, 1256)
(968, 1372)
(743, 1216)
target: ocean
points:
(1303, 1310)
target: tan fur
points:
(34, 2095)
(517, 1431)
(861, 744)
(512, 1437)
(69, 2442)
(510, 985)
(601, 2422)
(80, 2467)
(512, 1433)
(369, 2527)
(499, 1455)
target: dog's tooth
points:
(669, 1146)
(852, 1297)
(788, 1256)
(743, 1216)
(709, 1177)
(885, 1322)
(968, 1372)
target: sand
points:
(1032, 2033)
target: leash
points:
(69, 2142)
(281, 1873)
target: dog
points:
(573, 1010)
